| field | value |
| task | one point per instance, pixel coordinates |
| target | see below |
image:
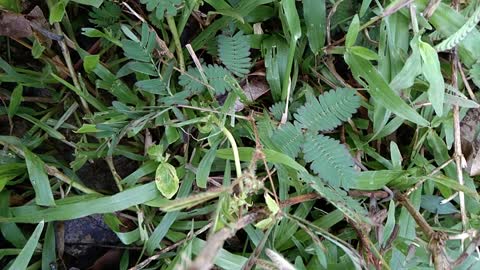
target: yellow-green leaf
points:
(352, 32)
(57, 11)
(265, 223)
(166, 180)
(271, 204)
(90, 62)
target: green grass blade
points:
(49, 254)
(39, 179)
(95, 3)
(205, 165)
(352, 32)
(461, 33)
(447, 22)
(10, 231)
(191, 201)
(366, 74)
(293, 21)
(85, 95)
(49, 130)
(147, 168)
(22, 260)
(84, 207)
(432, 72)
(412, 68)
(375, 180)
(15, 100)
(246, 154)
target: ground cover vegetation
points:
(239, 134)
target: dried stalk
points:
(144, 263)
(458, 156)
(205, 258)
(437, 240)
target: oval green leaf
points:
(352, 32)
(166, 180)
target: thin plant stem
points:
(68, 61)
(286, 79)
(458, 156)
(53, 171)
(176, 40)
(157, 255)
(465, 81)
(197, 63)
(115, 175)
(236, 156)
(182, 22)
(432, 173)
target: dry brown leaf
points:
(21, 26)
(253, 90)
(14, 25)
(41, 28)
(471, 141)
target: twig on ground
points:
(197, 63)
(465, 81)
(169, 248)
(437, 240)
(204, 259)
(258, 250)
(467, 252)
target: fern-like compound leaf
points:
(329, 111)
(134, 51)
(192, 81)
(105, 16)
(475, 74)
(289, 139)
(140, 50)
(162, 7)
(339, 198)
(455, 97)
(216, 76)
(234, 53)
(461, 33)
(330, 160)
(277, 110)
